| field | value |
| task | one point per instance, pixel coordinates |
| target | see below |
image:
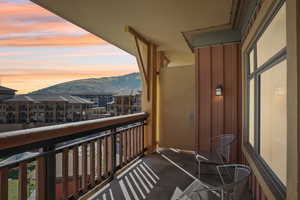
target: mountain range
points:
(104, 85)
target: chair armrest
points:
(209, 189)
(213, 190)
(208, 162)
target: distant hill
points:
(95, 85)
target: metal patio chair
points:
(220, 155)
(233, 185)
(234, 179)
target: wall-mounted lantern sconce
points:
(219, 90)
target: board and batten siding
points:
(217, 115)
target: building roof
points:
(92, 94)
(6, 89)
(49, 98)
(128, 93)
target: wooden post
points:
(92, 163)
(41, 179)
(113, 152)
(50, 164)
(65, 174)
(151, 105)
(3, 183)
(23, 181)
(76, 169)
(84, 167)
(99, 159)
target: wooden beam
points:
(141, 61)
(133, 32)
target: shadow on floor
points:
(159, 176)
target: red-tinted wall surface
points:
(216, 115)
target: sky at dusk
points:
(39, 49)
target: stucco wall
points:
(176, 107)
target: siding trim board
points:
(204, 99)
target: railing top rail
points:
(14, 139)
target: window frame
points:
(272, 180)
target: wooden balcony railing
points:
(70, 159)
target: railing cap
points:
(28, 136)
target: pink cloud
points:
(19, 21)
(57, 40)
(15, 53)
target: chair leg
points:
(199, 169)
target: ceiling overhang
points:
(173, 25)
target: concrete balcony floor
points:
(160, 176)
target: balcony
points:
(71, 159)
(96, 159)
(207, 72)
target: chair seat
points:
(209, 157)
(196, 191)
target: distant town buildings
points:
(6, 93)
(98, 112)
(41, 108)
(99, 100)
(44, 108)
(125, 102)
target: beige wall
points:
(176, 107)
(293, 109)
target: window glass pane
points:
(273, 126)
(251, 112)
(251, 61)
(273, 39)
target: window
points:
(273, 119)
(267, 96)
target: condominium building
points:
(99, 100)
(42, 108)
(125, 102)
